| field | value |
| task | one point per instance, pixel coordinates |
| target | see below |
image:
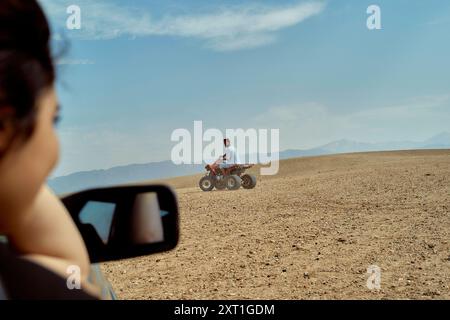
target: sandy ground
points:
(309, 232)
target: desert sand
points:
(310, 232)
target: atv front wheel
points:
(248, 181)
(233, 182)
(206, 183)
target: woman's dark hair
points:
(26, 64)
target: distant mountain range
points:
(166, 169)
(439, 141)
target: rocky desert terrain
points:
(309, 232)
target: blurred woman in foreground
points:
(43, 240)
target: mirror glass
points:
(146, 224)
(100, 216)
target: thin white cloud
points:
(75, 62)
(311, 124)
(224, 29)
(241, 42)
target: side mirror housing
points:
(125, 222)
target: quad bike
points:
(231, 178)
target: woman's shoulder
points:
(23, 279)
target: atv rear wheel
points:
(233, 182)
(206, 183)
(221, 184)
(248, 181)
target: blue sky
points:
(137, 70)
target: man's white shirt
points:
(231, 156)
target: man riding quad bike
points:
(227, 172)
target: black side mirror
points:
(124, 222)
